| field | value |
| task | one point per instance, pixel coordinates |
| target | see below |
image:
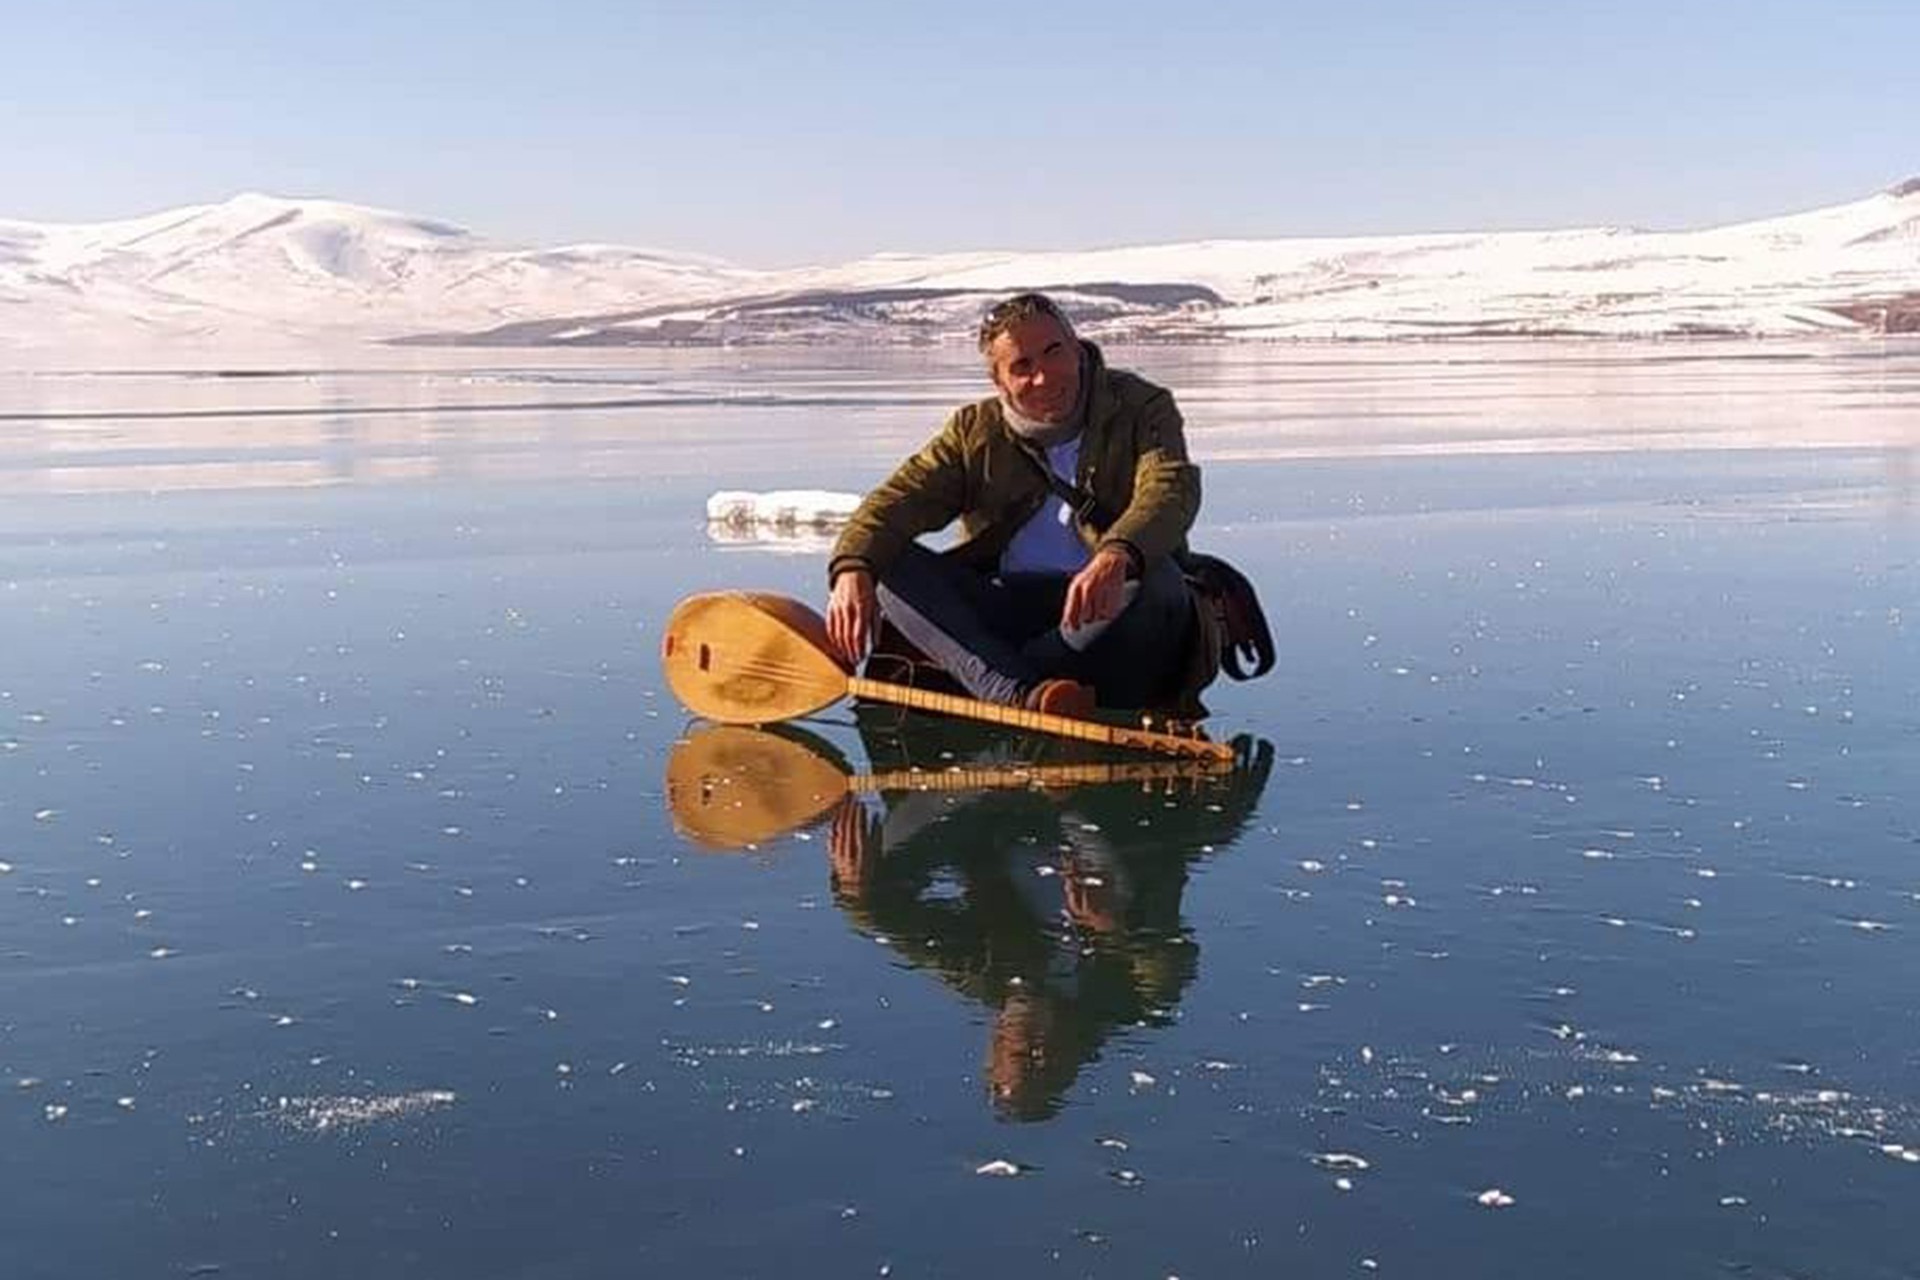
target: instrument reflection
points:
(1039, 879)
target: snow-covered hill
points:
(257, 268)
(261, 268)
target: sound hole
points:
(670, 644)
(706, 658)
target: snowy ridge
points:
(260, 267)
(263, 269)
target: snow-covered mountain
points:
(258, 268)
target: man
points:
(1042, 603)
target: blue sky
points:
(781, 134)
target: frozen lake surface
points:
(1562, 920)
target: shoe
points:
(1067, 698)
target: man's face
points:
(1036, 366)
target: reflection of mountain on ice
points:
(257, 267)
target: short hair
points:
(1008, 312)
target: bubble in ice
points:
(327, 1114)
(1000, 1169)
(1345, 1160)
(55, 1111)
(1494, 1198)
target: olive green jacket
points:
(1133, 460)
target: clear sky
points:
(819, 130)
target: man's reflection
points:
(1052, 898)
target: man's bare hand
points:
(1097, 592)
(853, 848)
(853, 611)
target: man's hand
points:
(853, 612)
(1091, 902)
(1097, 592)
(853, 848)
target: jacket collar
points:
(1099, 395)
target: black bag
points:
(1246, 642)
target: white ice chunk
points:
(1341, 1160)
(781, 508)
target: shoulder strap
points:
(1082, 503)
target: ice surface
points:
(1498, 1035)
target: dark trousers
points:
(998, 636)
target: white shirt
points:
(1050, 541)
